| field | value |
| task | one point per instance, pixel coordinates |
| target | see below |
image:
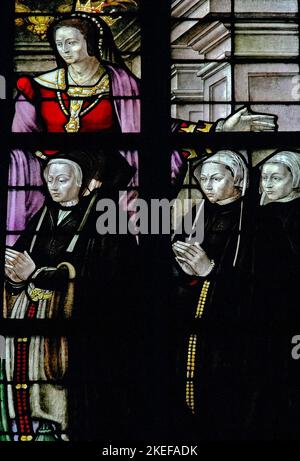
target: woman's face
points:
(71, 44)
(217, 182)
(61, 182)
(276, 181)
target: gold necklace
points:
(75, 111)
(73, 125)
(98, 70)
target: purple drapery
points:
(24, 171)
(128, 111)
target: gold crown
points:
(88, 7)
(98, 7)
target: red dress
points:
(54, 106)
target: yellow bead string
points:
(190, 372)
(202, 300)
(191, 357)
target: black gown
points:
(214, 407)
(102, 331)
(273, 375)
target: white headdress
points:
(292, 161)
(237, 166)
(235, 163)
(74, 165)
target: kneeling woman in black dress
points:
(209, 290)
(275, 317)
(61, 270)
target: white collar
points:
(292, 196)
(228, 200)
(70, 203)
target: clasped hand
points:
(18, 266)
(191, 258)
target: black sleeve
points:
(51, 278)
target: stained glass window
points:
(234, 89)
(108, 334)
(77, 71)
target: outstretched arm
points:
(241, 120)
(245, 120)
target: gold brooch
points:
(38, 294)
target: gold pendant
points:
(38, 294)
(73, 125)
